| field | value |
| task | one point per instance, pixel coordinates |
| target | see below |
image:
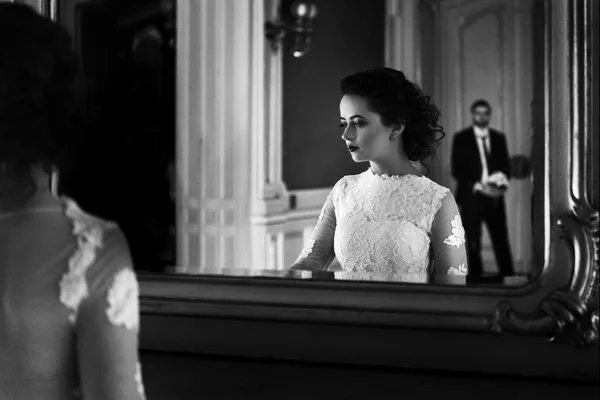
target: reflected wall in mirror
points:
(258, 148)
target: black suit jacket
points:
(466, 164)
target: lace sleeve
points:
(318, 253)
(448, 240)
(107, 327)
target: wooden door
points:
(483, 49)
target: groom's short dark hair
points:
(481, 103)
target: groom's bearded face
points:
(481, 116)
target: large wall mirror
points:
(457, 52)
(217, 147)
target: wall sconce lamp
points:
(304, 14)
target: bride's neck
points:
(25, 191)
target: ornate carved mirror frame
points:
(561, 305)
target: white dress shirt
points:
(483, 139)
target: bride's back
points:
(69, 309)
(37, 356)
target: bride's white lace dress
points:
(69, 308)
(381, 227)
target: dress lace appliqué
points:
(458, 233)
(308, 248)
(122, 298)
(138, 380)
(89, 233)
(461, 270)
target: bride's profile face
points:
(366, 138)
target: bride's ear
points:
(397, 130)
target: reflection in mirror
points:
(457, 51)
(468, 50)
(490, 55)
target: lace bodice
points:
(381, 226)
(69, 311)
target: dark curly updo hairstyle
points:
(41, 90)
(399, 101)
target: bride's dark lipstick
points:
(352, 148)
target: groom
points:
(481, 166)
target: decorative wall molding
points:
(268, 187)
(213, 161)
(269, 196)
(310, 199)
(402, 38)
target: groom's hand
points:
(491, 191)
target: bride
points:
(389, 222)
(69, 308)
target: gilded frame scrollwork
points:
(570, 314)
(560, 305)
